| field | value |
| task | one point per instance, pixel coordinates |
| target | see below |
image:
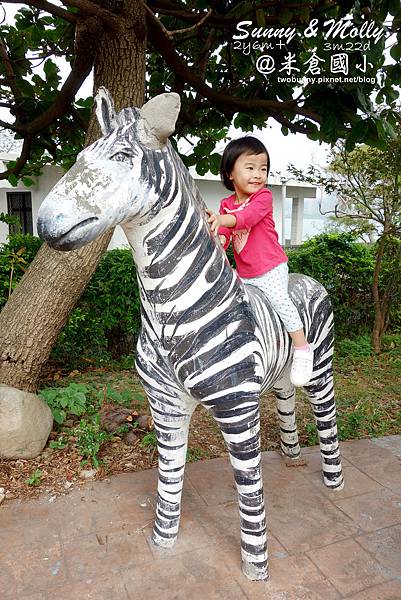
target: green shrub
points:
(345, 268)
(15, 257)
(106, 321)
(360, 346)
(65, 401)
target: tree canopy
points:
(208, 52)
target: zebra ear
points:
(105, 111)
(161, 113)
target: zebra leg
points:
(320, 391)
(171, 425)
(240, 427)
(285, 396)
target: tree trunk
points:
(37, 310)
(379, 322)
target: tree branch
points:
(193, 28)
(10, 75)
(162, 43)
(293, 127)
(169, 8)
(17, 128)
(90, 8)
(78, 119)
(22, 160)
(79, 71)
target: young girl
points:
(246, 218)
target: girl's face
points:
(249, 174)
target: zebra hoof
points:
(254, 573)
(161, 542)
(332, 485)
(298, 461)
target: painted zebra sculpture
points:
(205, 337)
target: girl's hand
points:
(217, 220)
(214, 220)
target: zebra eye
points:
(121, 156)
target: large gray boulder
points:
(25, 423)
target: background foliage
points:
(106, 320)
(191, 50)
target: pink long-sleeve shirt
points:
(254, 237)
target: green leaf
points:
(285, 16)
(26, 88)
(59, 415)
(156, 80)
(214, 163)
(51, 71)
(395, 52)
(28, 182)
(12, 179)
(394, 7)
(260, 17)
(358, 133)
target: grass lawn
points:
(368, 395)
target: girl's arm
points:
(260, 206)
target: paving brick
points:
(356, 483)
(348, 567)
(96, 588)
(134, 483)
(385, 546)
(389, 442)
(374, 510)
(385, 591)
(191, 535)
(84, 511)
(199, 574)
(292, 578)
(29, 569)
(38, 596)
(24, 514)
(306, 519)
(385, 472)
(34, 533)
(141, 506)
(213, 480)
(222, 526)
(360, 452)
(108, 549)
(277, 475)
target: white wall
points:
(210, 187)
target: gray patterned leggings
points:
(274, 285)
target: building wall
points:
(210, 187)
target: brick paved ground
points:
(94, 544)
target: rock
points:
(145, 422)
(2, 494)
(88, 473)
(130, 438)
(25, 423)
(112, 417)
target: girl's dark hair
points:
(234, 149)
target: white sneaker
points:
(302, 367)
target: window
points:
(19, 204)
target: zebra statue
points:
(205, 337)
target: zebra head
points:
(111, 181)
